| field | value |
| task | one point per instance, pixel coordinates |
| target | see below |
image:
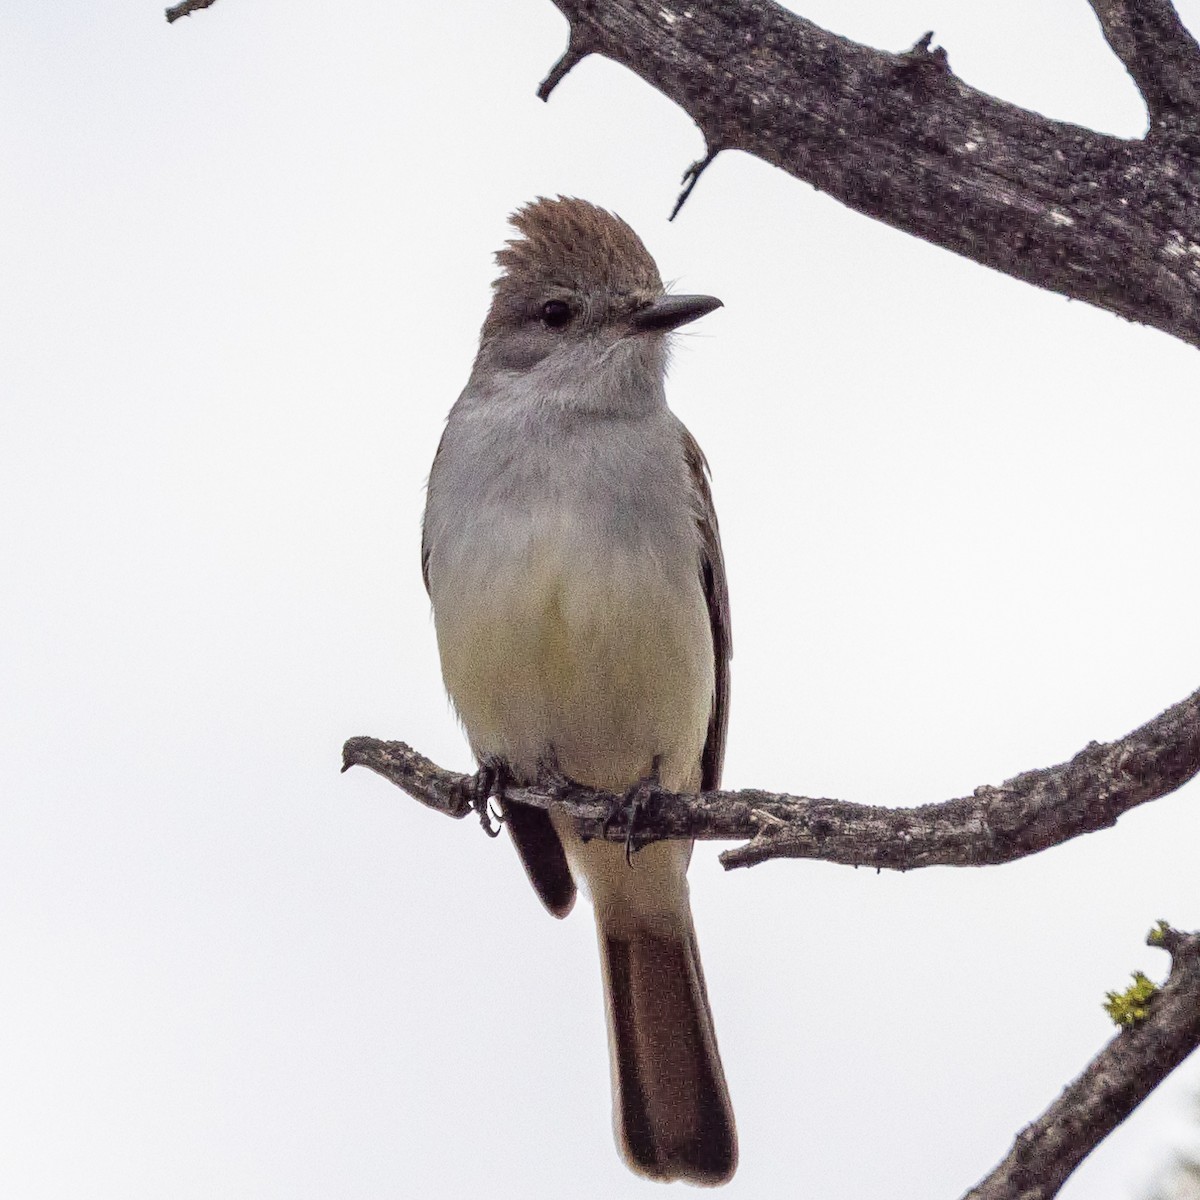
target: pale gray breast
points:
(564, 567)
(622, 478)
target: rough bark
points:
(1026, 814)
(1159, 54)
(1111, 221)
(899, 137)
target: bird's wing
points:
(716, 595)
(425, 545)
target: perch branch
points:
(1031, 812)
(899, 137)
(1116, 1081)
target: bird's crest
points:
(571, 244)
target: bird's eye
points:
(556, 314)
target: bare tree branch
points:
(1028, 813)
(1158, 52)
(187, 8)
(1110, 221)
(900, 138)
(1116, 1081)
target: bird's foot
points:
(477, 791)
(552, 778)
(636, 803)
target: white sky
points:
(245, 260)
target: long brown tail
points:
(671, 1107)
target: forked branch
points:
(1112, 221)
(899, 137)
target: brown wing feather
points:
(425, 546)
(716, 594)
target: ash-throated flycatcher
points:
(571, 552)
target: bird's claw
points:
(636, 803)
(477, 790)
(552, 779)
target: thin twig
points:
(187, 8)
(691, 177)
(577, 50)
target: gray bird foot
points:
(636, 803)
(554, 781)
(477, 790)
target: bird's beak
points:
(669, 312)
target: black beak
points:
(669, 312)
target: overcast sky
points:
(244, 261)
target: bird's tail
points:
(671, 1110)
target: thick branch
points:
(1028, 813)
(1117, 1080)
(900, 138)
(1158, 52)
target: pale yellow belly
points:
(599, 671)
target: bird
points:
(571, 553)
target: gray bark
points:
(900, 138)
(1028, 813)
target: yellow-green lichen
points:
(1133, 1004)
(1157, 936)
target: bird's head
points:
(580, 292)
